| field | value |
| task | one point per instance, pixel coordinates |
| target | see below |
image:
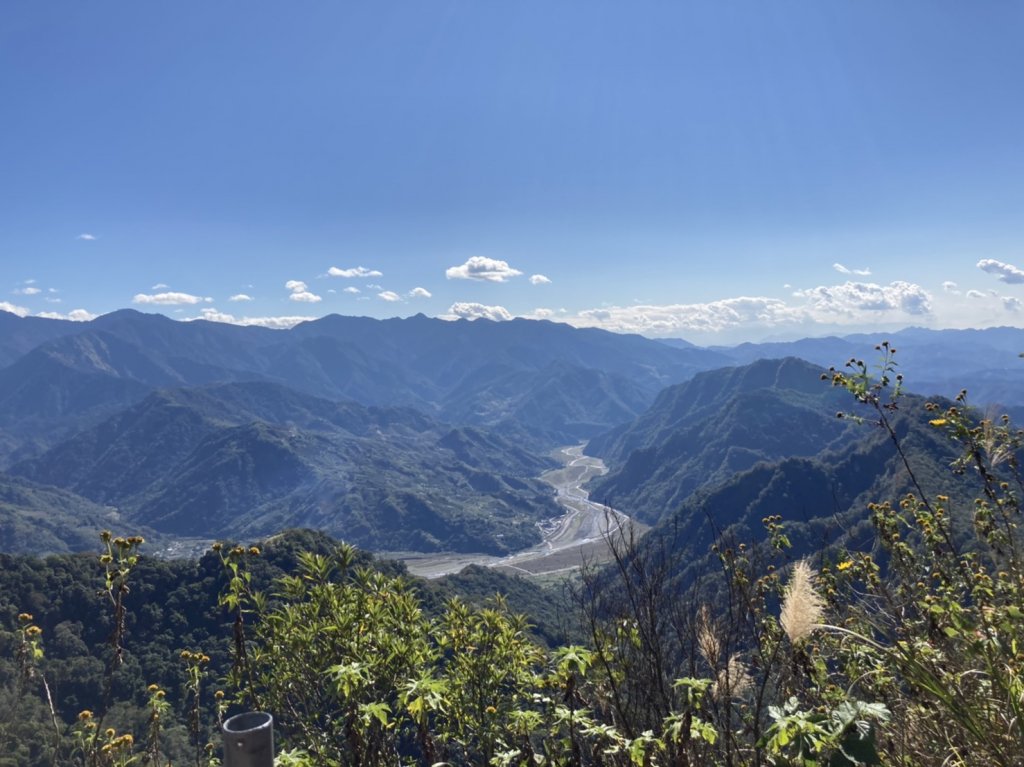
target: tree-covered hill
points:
(718, 424)
(249, 459)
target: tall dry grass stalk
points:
(707, 639)
(733, 681)
(802, 608)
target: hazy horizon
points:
(715, 339)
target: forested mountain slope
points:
(717, 424)
(248, 459)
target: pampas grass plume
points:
(802, 608)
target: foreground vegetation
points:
(910, 652)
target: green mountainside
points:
(822, 500)
(38, 518)
(249, 459)
(717, 424)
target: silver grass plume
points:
(802, 608)
(707, 640)
(733, 680)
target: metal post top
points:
(249, 740)
(250, 721)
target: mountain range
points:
(409, 434)
(541, 382)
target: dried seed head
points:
(707, 641)
(733, 680)
(803, 607)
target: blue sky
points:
(718, 171)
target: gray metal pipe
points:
(249, 740)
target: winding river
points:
(569, 540)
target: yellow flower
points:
(844, 565)
(938, 422)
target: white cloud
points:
(300, 292)
(855, 298)
(713, 316)
(240, 297)
(389, 295)
(1011, 304)
(54, 300)
(373, 286)
(1006, 272)
(356, 271)
(352, 290)
(951, 287)
(27, 291)
(86, 236)
(472, 311)
(542, 314)
(75, 315)
(975, 294)
(539, 279)
(844, 270)
(160, 286)
(275, 323)
(482, 268)
(419, 293)
(7, 306)
(166, 299)
(847, 304)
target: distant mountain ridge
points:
(481, 373)
(939, 362)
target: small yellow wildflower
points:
(844, 565)
(938, 422)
